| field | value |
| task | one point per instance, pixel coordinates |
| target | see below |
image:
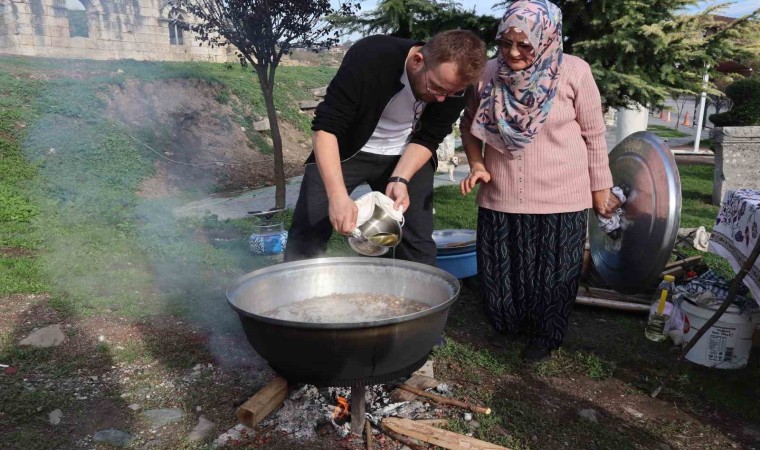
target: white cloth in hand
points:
(613, 223)
(366, 204)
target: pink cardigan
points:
(567, 160)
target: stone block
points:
(308, 104)
(737, 160)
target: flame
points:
(341, 410)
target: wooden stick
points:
(613, 304)
(409, 442)
(445, 400)
(368, 432)
(269, 398)
(436, 436)
(433, 422)
(607, 294)
(683, 262)
(675, 271)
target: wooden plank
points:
(269, 398)
(433, 422)
(420, 382)
(436, 436)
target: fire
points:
(341, 410)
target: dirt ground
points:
(184, 119)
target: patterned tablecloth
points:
(736, 231)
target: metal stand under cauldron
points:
(358, 408)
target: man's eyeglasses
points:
(459, 94)
(522, 47)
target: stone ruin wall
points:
(117, 29)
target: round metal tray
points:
(454, 242)
(645, 168)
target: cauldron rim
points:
(447, 277)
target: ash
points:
(309, 408)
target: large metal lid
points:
(454, 242)
(645, 168)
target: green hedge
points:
(746, 110)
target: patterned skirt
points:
(529, 267)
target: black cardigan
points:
(368, 78)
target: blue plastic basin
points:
(461, 266)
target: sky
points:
(738, 9)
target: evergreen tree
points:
(642, 51)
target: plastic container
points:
(461, 266)
(662, 302)
(268, 239)
(727, 344)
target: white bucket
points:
(728, 342)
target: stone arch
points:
(172, 14)
(77, 15)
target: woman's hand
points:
(475, 176)
(601, 201)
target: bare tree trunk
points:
(279, 165)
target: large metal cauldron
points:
(343, 354)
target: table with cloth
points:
(736, 231)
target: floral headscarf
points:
(515, 104)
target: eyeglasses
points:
(459, 94)
(522, 47)
(419, 106)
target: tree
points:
(263, 31)
(642, 51)
(419, 19)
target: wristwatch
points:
(398, 180)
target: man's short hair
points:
(461, 47)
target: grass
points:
(665, 131)
(100, 250)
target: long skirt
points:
(529, 267)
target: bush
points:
(746, 110)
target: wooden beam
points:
(269, 398)
(436, 436)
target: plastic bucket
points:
(461, 266)
(728, 342)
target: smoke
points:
(109, 239)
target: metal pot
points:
(343, 354)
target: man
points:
(386, 111)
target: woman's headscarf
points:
(515, 104)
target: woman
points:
(539, 114)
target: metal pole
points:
(702, 100)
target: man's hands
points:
(343, 212)
(399, 193)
